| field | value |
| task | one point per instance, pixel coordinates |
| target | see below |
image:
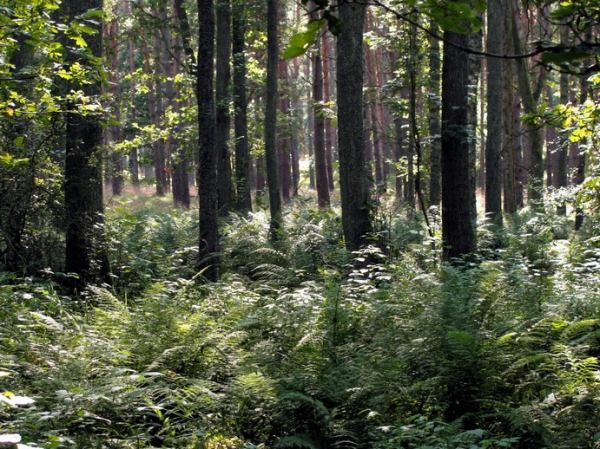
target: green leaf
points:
(334, 24)
(564, 56)
(301, 42)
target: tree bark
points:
(209, 260)
(534, 131)
(493, 144)
(458, 230)
(354, 189)
(434, 102)
(271, 120)
(222, 105)
(86, 254)
(242, 151)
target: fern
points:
(296, 441)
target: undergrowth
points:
(297, 347)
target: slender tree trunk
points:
(242, 150)
(435, 181)
(157, 149)
(354, 189)
(222, 104)
(563, 149)
(475, 42)
(581, 157)
(319, 125)
(329, 132)
(271, 120)
(209, 260)
(283, 137)
(112, 133)
(534, 131)
(398, 150)
(493, 144)
(135, 168)
(510, 188)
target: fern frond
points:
(580, 329)
(296, 441)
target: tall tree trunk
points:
(135, 168)
(329, 132)
(319, 125)
(157, 149)
(534, 131)
(222, 104)
(493, 144)
(242, 150)
(112, 133)
(563, 148)
(475, 42)
(354, 189)
(271, 120)
(434, 103)
(85, 245)
(509, 187)
(283, 136)
(579, 177)
(458, 230)
(209, 260)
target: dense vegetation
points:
(297, 347)
(369, 305)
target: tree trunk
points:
(157, 148)
(222, 104)
(581, 157)
(112, 133)
(319, 125)
(458, 231)
(354, 189)
(329, 132)
(563, 148)
(85, 246)
(534, 131)
(435, 182)
(207, 161)
(493, 144)
(242, 150)
(271, 120)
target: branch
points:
(469, 50)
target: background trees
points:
(154, 66)
(338, 326)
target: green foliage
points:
(298, 347)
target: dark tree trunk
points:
(579, 177)
(85, 246)
(458, 231)
(319, 134)
(319, 125)
(534, 132)
(435, 181)
(354, 189)
(135, 168)
(509, 188)
(493, 145)
(113, 132)
(157, 148)
(209, 260)
(222, 104)
(271, 120)
(242, 151)
(329, 132)
(563, 149)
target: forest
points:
(324, 224)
